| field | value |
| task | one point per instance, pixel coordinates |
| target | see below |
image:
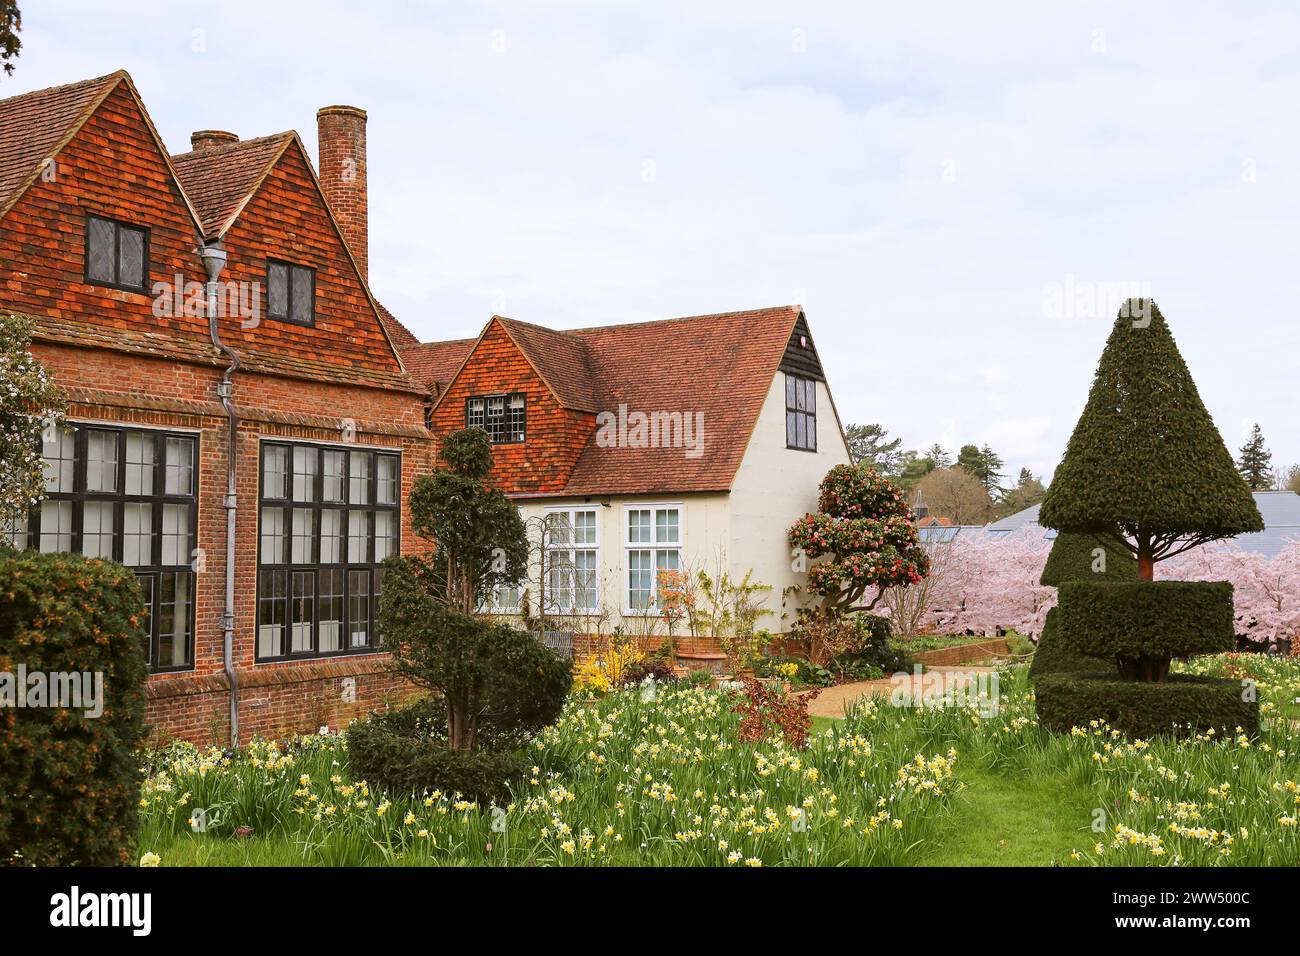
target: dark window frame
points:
(154, 570)
(287, 315)
(505, 426)
(804, 409)
(118, 225)
(287, 568)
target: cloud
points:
(916, 175)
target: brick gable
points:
(556, 435)
(111, 167)
(287, 218)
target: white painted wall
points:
(741, 531)
(774, 486)
(705, 533)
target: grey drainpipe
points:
(214, 262)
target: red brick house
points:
(679, 445)
(271, 400)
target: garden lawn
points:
(662, 779)
(1009, 819)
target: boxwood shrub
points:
(405, 752)
(69, 782)
(1150, 619)
(1180, 706)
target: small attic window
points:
(290, 292)
(800, 413)
(117, 254)
(503, 417)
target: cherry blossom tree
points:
(1266, 590)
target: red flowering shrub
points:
(867, 531)
(765, 712)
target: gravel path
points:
(832, 701)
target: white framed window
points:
(652, 542)
(572, 547)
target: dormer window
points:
(503, 417)
(290, 293)
(117, 254)
(800, 413)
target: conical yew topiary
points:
(1146, 467)
(1145, 460)
(1086, 557)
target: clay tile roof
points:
(561, 359)
(401, 336)
(720, 366)
(221, 179)
(435, 363)
(33, 127)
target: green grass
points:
(626, 780)
(1012, 819)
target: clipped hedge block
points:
(405, 752)
(69, 779)
(1072, 558)
(1055, 656)
(1181, 706)
(1147, 619)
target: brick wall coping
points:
(87, 396)
(294, 672)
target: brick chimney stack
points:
(341, 132)
(208, 138)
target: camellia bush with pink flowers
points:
(866, 535)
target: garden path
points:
(833, 701)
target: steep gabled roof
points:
(220, 180)
(718, 366)
(560, 358)
(35, 126)
(434, 364)
(228, 177)
(402, 336)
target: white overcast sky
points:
(921, 177)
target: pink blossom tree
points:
(1266, 590)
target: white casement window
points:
(572, 560)
(653, 540)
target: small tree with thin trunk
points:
(493, 679)
(29, 404)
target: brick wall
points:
(112, 167)
(181, 705)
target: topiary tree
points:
(1077, 557)
(29, 403)
(494, 684)
(868, 534)
(1145, 464)
(1145, 467)
(479, 537)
